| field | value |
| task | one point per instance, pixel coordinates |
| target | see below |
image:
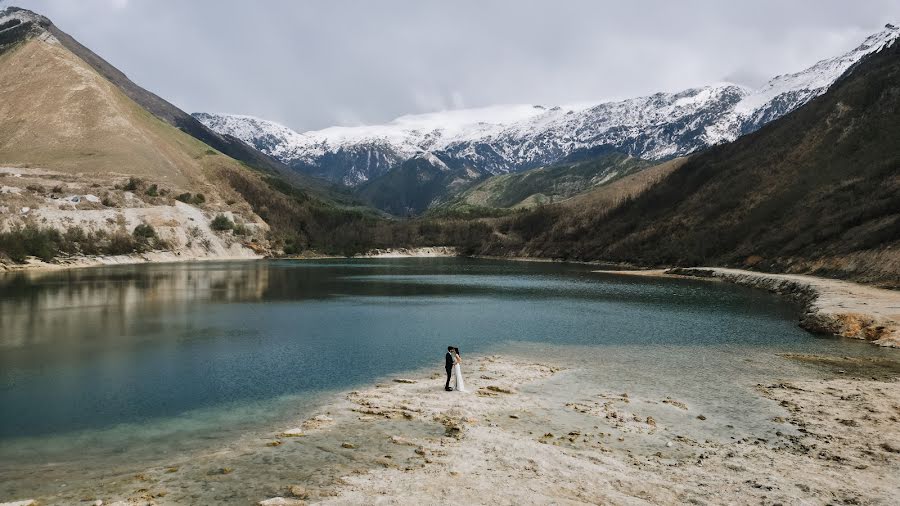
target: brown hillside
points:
(59, 113)
(817, 191)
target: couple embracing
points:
(454, 369)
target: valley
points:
(660, 298)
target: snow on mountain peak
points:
(505, 138)
(816, 79)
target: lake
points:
(141, 365)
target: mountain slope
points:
(546, 185)
(505, 139)
(88, 170)
(816, 191)
(160, 108)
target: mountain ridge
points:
(503, 139)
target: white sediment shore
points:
(533, 432)
(426, 252)
(831, 306)
(156, 257)
(502, 443)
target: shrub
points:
(132, 184)
(221, 223)
(121, 243)
(240, 229)
(198, 199)
(144, 231)
(152, 191)
(184, 197)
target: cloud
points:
(310, 64)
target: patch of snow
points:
(504, 138)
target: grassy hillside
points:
(547, 185)
(58, 113)
(817, 191)
(414, 186)
(88, 170)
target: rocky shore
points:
(426, 252)
(831, 306)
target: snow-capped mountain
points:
(501, 139)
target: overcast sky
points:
(311, 64)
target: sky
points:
(311, 64)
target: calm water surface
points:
(133, 362)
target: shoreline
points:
(836, 307)
(534, 430)
(166, 257)
(154, 257)
(831, 306)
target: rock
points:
(701, 417)
(672, 402)
(668, 444)
(498, 389)
(282, 501)
(273, 443)
(347, 445)
(295, 432)
(26, 502)
(890, 448)
(398, 440)
(317, 422)
(404, 380)
(651, 421)
(514, 417)
(298, 491)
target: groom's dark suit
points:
(449, 367)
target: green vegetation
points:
(132, 184)
(187, 198)
(299, 222)
(240, 229)
(221, 223)
(152, 191)
(547, 185)
(144, 232)
(48, 243)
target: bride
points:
(457, 372)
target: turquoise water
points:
(133, 362)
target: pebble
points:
(347, 445)
(281, 501)
(298, 491)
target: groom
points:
(448, 359)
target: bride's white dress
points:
(460, 385)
